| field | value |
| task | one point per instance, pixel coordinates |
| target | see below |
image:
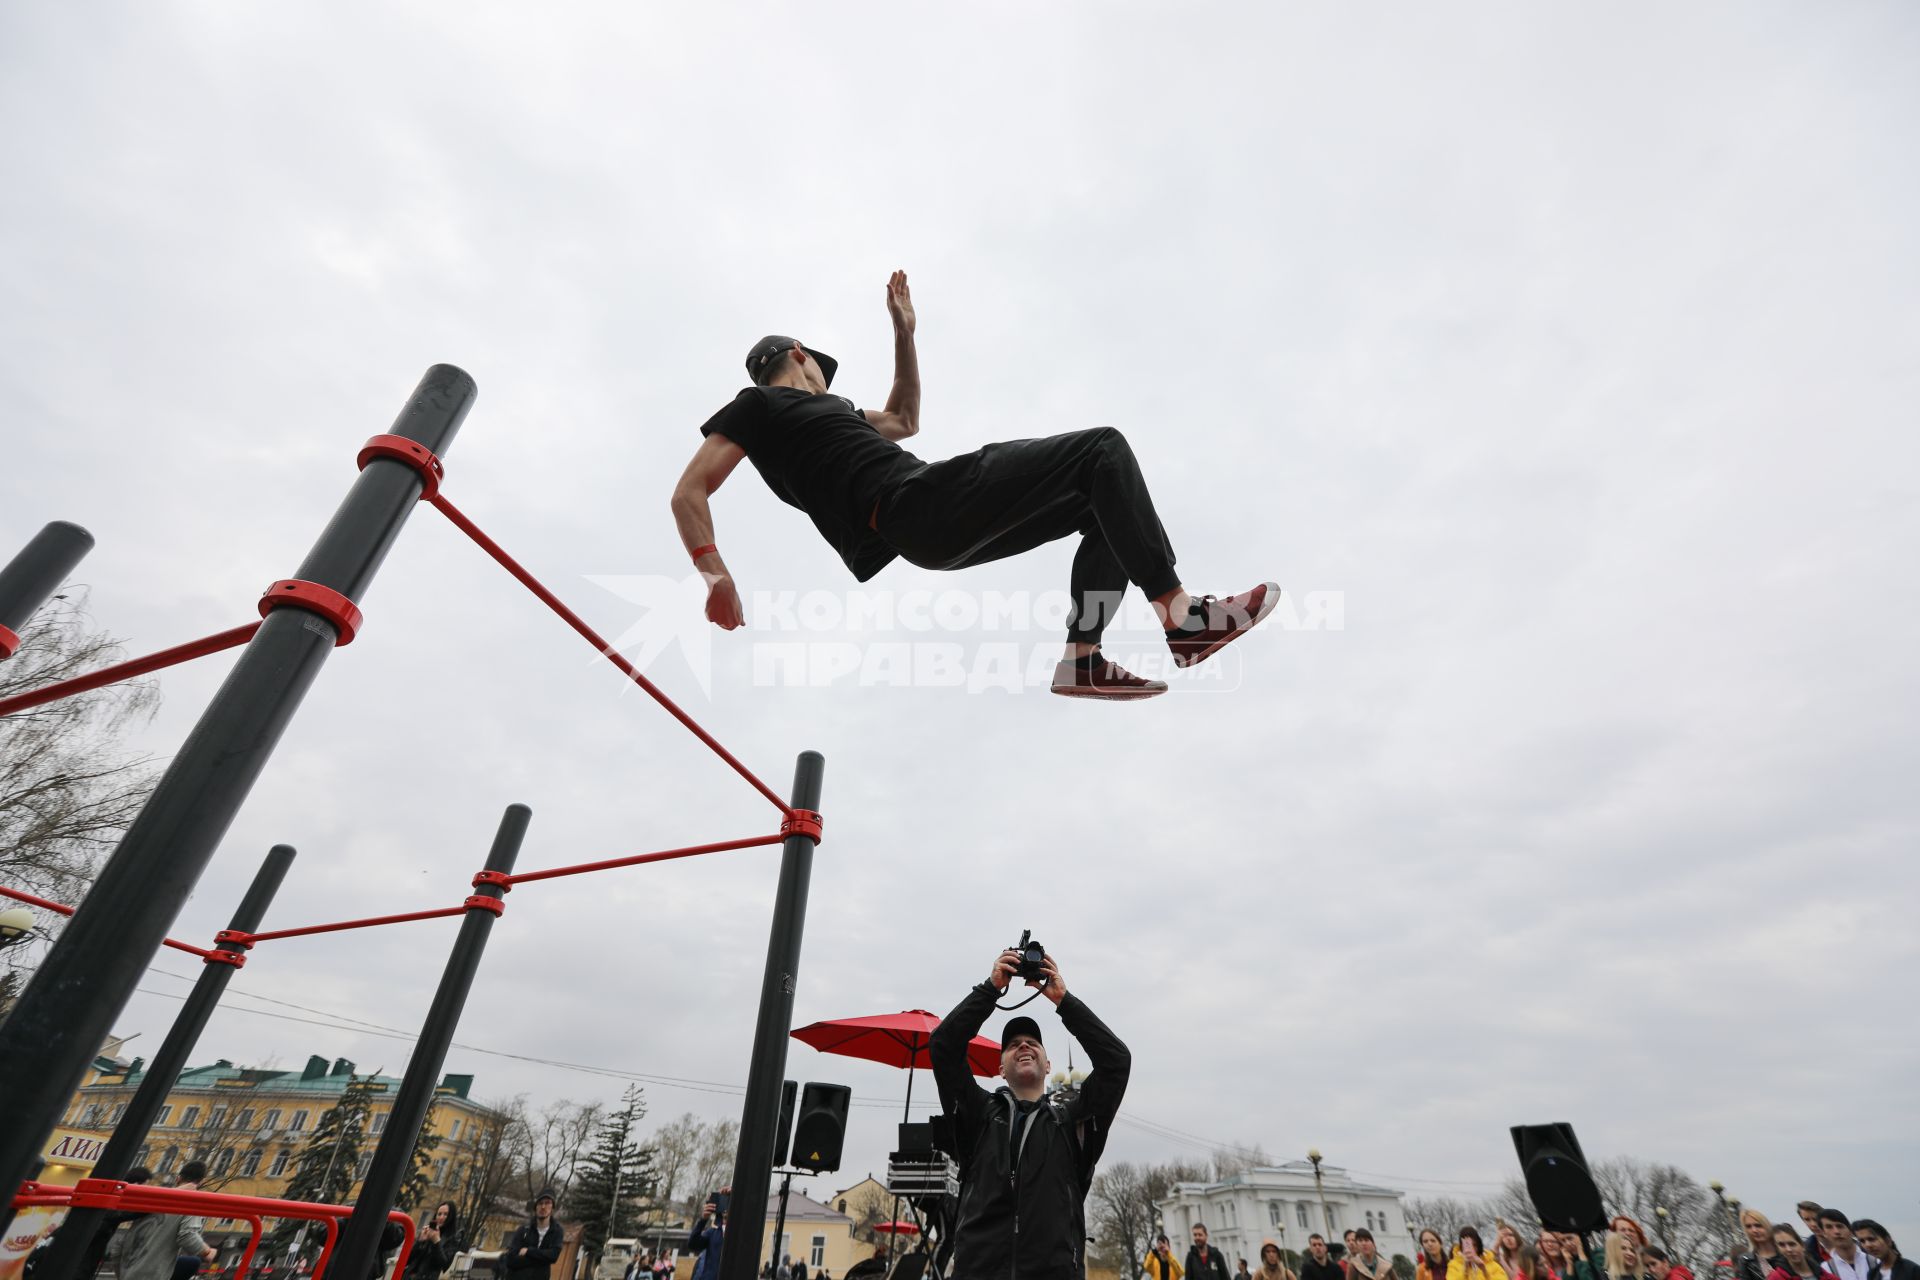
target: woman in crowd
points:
(1527, 1264)
(1273, 1266)
(1470, 1261)
(1761, 1257)
(1506, 1247)
(1433, 1256)
(1622, 1223)
(1880, 1247)
(1791, 1255)
(1579, 1265)
(1553, 1259)
(435, 1244)
(1623, 1256)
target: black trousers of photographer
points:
(1007, 498)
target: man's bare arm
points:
(901, 417)
(709, 468)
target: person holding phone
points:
(1470, 1260)
(709, 1235)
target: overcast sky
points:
(1572, 346)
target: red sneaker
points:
(1103, 679)
(1224, 621)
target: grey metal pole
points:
(80, 1244)
(359, 1249)
(29, 579)
(67, 1010)
(760, 1113)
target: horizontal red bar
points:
(554, 873)
(340, 925)
(129, 669)
(593, 637)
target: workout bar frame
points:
(29, 579)
(51, 1035)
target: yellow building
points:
(250, 1124)
(816, 1234)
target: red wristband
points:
(709, 549)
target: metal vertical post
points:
(760, 1113)
(67, 1010)
(358, 1252)
(79, 1244)
(30, 578)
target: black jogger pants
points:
(1007, 498)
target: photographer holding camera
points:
(1026, 1158)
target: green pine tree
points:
(419, 1174)
(615, 1177)
(324, 1173)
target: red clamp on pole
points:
(240, 940)
(413, 454)
(498, 879)
(9, 642)
(343, 613)
(803, 822)
(485, 902)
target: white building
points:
(1280, 1203)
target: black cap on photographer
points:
(760, 358)
(1021, 1026)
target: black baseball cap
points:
(760, 359)
(1022, 1026)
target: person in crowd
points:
(870, 1268)
(1160, 1264)
(1622, 1223)
(1241, 1272)
(435, 1243)
(1506, 1246)
(1624, 1259)
(1885, 1254)
(1758, 1262)
(1553, 1258)
(785, 1270)
(1204, 1262)
(798, 1271)
(1319, 1263)
(1470, 1260)
(533, 1249)
(1661, 1267)
(708, 1237)
(1790, 1252)
(1273, 1263)
(1579, 1266)
(1529, 1265)
(157, 1240)
(1432, 1262)
(1346, 1249)
(1845, 1258)
(1365, 1262)
(1809, 1211)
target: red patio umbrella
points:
(897, 1039)
(903, 1228)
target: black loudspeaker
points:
(821, 1126)
(1558, 1183)
(783, 1129)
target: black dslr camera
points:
(1033, 959)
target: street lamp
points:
(1720, 1194)
(1313, 1154)
(16, 925)
(1666, 1241)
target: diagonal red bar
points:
(129, 669)
(593, 637)
(554, 873)
(46, 904)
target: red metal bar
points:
(554, 873)
(593, 637)
(46, 904)
(129, 669)
(253, 1246)
(339, 925)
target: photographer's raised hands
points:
(1053, 986)
(1003, 969)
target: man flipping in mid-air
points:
(872, 500)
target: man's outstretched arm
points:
(901, 417)
(712, 463)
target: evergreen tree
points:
(324, 1173)
(615, 1177)
(419, 1173)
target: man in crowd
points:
(709, 1236)
(1204, 1262)
(1845, 1258)
(1160, 1264)
(1319, 1263)
(1809, 1211)
(1365, 1262)
(156, 1240)
(1026, 1160)
(535, 1247)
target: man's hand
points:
(723, 602)
(1056, 986)
(1004, 968)
(900, 303)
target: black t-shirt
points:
(820, 454)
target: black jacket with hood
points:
(1025, 1218)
